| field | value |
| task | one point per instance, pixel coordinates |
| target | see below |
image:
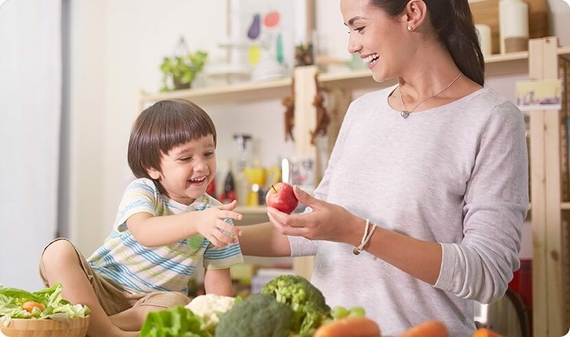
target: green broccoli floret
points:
(259, 315)
(303, 297)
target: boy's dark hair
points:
(161, 127)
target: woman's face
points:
(378, 38)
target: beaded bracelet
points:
(365, 238)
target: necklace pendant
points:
(405, 114)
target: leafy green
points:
(182, 70)
(173, 322)
(57, 308)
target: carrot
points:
(29, 306)
(427, 329)
(351, 326)
(484, 332)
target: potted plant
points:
(179, 71)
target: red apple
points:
(282, 197)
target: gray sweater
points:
(457, 175)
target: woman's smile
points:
(371, 60)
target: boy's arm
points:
(153, 231)
(218, 282)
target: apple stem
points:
(273, 187)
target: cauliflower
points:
(210, 307)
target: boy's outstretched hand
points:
(213, 226)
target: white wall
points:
(117, 49)
(30, 105)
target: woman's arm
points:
(264, 240)
(418, 258)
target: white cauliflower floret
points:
(210, 307)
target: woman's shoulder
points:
(488, 97)
(483, 103)
(486, 107)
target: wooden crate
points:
(486, 12)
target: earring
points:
(410, 28)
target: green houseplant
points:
(180, 70)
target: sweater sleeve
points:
(495, 206)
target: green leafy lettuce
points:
(55, 307)
(173, 322)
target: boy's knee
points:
(59, 250)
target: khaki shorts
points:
(112, 297)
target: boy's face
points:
(187, 170)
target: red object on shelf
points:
(522, 282)
(211, 189)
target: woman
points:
(420, 209)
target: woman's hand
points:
(212, 225)
(326, 221)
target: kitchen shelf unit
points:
(497, 65)
(548, 165)
(551, 287)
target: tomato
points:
(29, 306)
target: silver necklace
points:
(406, 113)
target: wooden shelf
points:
(229, 94)
(496, 65)
(513, 63)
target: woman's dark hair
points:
(161, 127)
(453, 23)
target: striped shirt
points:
(166, 268)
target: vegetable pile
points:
(45, 303)
(289, 305)
(197, 319)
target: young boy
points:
(165, 226)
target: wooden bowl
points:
(77, 327)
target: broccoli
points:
(303, 297)
(259, 315)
